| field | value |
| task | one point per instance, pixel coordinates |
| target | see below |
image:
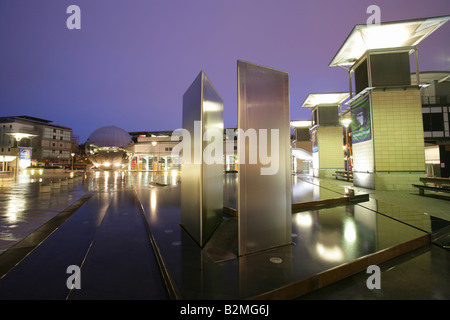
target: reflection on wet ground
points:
(322, 239)
(23, 208)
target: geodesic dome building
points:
(108, 147)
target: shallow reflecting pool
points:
(322, 240)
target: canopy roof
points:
(332, 98)
(301, 123)
(430, 76)
(396, 34)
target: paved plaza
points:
(123, 231)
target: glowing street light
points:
(346, 123)
(19, 136)
(72, 154)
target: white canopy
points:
(334, 98)
(301, 123)
(406, 33)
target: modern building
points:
(387, 131)
(301, 147)
(157, 150)
(152, 151)
(326, 132)
(35, 141)
(435, 94)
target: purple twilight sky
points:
(131, 62)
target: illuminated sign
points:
(361, 128)
(24, 157)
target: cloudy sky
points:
(132, 60)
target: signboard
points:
(24, 157)
(361, 127)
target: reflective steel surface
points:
(202, 194)
(264, 196)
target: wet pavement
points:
(126, 238)
(23, 208)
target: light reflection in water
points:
(330, 253)
(106, 173)
(174, 176)
(116, 177)
(116, 180)
(334, 234)
(350, 230)
(304, 219)
(153, 201)
(16, 202)
(23, 177)
(15, 207)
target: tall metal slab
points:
(264, 195)
(202, 164)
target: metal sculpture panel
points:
(264, 175)
(202, 164)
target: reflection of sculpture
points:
(107, 147)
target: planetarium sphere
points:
(108, 147)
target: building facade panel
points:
(49, 143)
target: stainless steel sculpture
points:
(109, 148)
(202, 164)
(264, 194)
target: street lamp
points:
(72, 154)
(346, 124)
(154, 143)
(19, 136)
